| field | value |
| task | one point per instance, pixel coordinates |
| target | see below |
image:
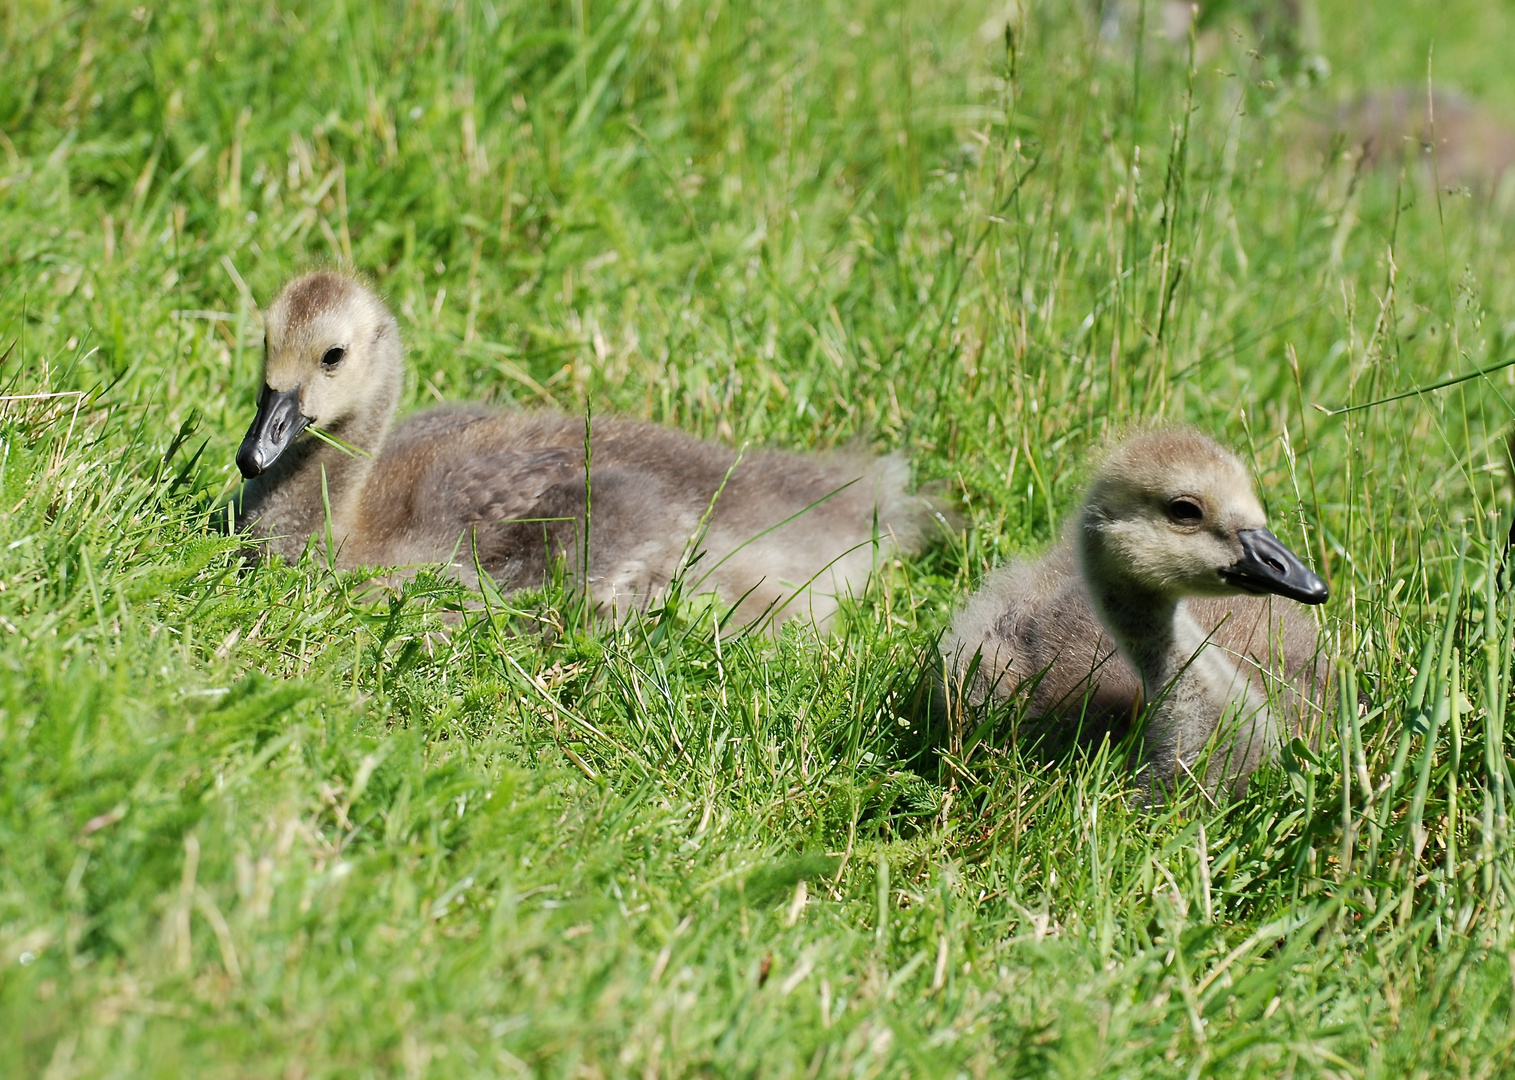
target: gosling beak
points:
(1266, 566)
(273, 429)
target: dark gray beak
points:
(1266, 566)
(273, 429)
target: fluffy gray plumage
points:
(510, 485)
(1134, 607)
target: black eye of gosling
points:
(1185, 512)
(333, 357)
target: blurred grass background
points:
(254, 822)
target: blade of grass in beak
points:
(331, 440)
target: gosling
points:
(471, 486)
(1159, 593)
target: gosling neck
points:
(286, 504)
(1190, 687)
(1150, 625)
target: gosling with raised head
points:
(1161, 592)
(779, 532)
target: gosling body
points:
(1192, 619)
(506, 490)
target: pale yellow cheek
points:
(281, 377)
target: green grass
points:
(254, 822)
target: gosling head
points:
(1173, 513)
(331, 353)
